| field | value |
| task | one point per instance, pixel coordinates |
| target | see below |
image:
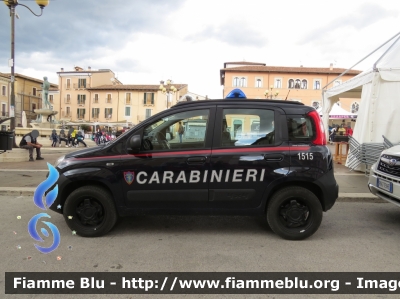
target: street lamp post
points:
(271, 93)
(12, 4)
(167, 89)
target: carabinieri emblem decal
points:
(129, 176)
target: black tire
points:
(294, 213)
(92, 209)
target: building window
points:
(127, 111)
(68, 85)
(304, 84)
(317, 84)
(108, 112)
(3, 109)
(128, 98)
(291, 83)
(278, 83)
(3, 90)
(81, 113)
(108, 98)
(81, 83)
(148, 98)
(337, 82)
(95, 112)
(258, 83)
(33, 107)
(243, 82)
(297, 84)
(96, 98)
(236, 81)
(354, 107)
(148, 113)
(34, 91)
(68, 99)
(68, 111)
(81, 99)
(316, 104)
(51, 98)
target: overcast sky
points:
(188, 41)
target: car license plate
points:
(385, 185)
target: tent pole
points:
(364, 59)
(374, 67)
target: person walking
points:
(333, 134)
(29, 142)
(181, 130)
(54, 138)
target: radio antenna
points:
(287, 95)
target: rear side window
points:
(300, 128)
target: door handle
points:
(273, 158)
(196, 160)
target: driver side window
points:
(185, 130)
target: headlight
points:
(59, 160)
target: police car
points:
(286, 173)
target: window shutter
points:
(144, 102)
(111, 111)
(152, 98)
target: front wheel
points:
(90, 211)
(294, 213)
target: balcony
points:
(67, 100)
(3, 114)
(128, 101)
(108, 100)
(95, 100)
(81, 86)
(67, 86)
(66, 114)
(81, 103)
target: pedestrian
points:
(333, 134)
(181, 130)
(54, 138)
(29, 142)
(349, 131)
(63, 137)
(342, 130)
(73, 138)
(70, 138)
(79, 139)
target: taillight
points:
(320, 138)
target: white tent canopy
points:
(338, 112)
(379, 90)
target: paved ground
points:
(353, 237)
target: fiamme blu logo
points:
(43, 202)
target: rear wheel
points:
(294, 213)
(90, 211)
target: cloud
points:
(69, 27)
(366, 15)
(238, 34)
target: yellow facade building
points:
(97, 96)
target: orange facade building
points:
(303, 84)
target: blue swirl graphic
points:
(44, 186)
(34, 234)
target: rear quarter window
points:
(300, 128)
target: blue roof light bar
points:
(236, 93)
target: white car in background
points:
(384, 177)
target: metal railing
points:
(81, 86)
(4, 114)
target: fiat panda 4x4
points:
(235, 156)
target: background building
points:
(303, 84)
(28, 95)
(97, 96)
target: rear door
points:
(249, 153)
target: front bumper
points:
(392, 197)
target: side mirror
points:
(135, 142)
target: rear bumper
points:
(330, 190)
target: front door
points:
(245, 162)
(170, 172)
